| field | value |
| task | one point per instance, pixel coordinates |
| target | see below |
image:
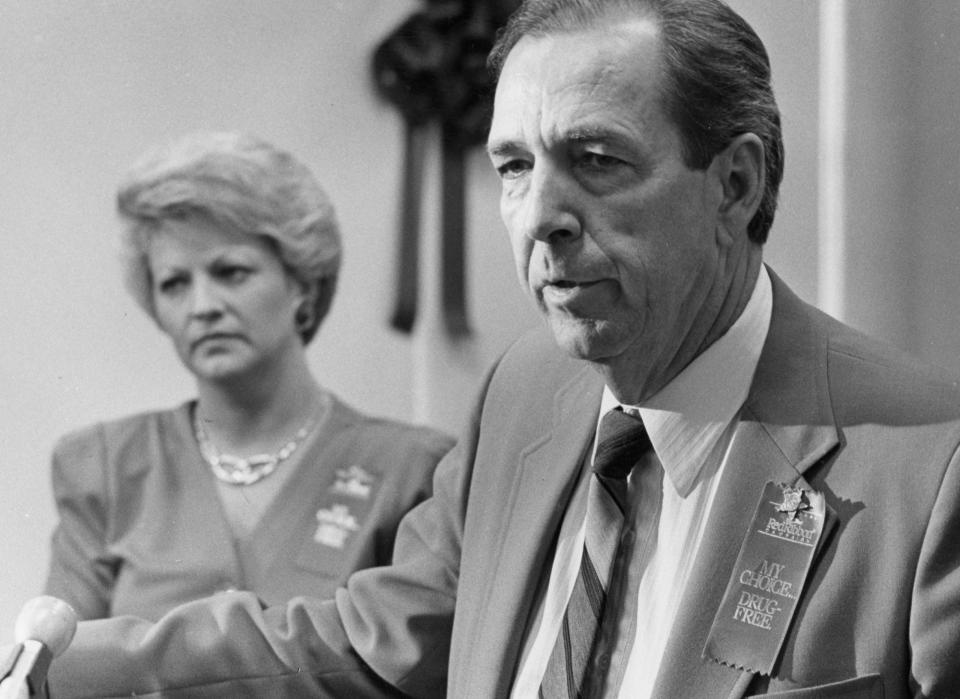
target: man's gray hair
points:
(717, 83)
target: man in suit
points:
(788, 521)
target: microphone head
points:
(48, 620)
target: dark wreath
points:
(433, 69)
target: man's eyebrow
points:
(580, 135)
(502, 147)
(593, 135)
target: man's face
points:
(613, 235)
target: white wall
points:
(789, 31)
(87, 85)
(935, 184)
(898, 190)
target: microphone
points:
(43, 630)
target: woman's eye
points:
(171, 285)
(233, 273)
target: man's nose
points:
(548, 211)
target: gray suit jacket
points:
(880, 615)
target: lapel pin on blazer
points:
(354, 481)
(335, 524)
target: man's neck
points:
(621, 375)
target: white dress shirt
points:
(691, 422)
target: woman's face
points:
(225, 300)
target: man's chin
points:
(582, 339)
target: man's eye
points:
(599, 160)
(512, 168)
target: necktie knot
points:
(621, 441)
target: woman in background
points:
(265, 481)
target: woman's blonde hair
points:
(242, 184)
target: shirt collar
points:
(687, 417)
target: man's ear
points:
(742, 174)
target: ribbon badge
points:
(768, 578)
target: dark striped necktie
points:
(621, 442)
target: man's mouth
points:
(565, 292)
(566, 284)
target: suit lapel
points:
(539, 494)
(786, 426)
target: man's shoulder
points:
(869, 372)
(531, 376)
(815, 369)
(814, 353)
(536, 359)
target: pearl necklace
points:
(244, 470)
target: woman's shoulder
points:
(103, 459)
(124, 433)
(396, 435)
